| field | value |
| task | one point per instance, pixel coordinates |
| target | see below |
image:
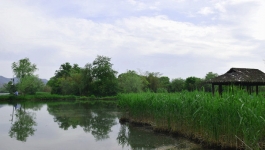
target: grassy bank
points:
(230, 121)
(42, 96)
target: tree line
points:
(98, 78)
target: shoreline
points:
(51, 97)
(192, 138)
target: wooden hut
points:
(243, 77)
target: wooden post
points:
(257, 89)
(220, 90)
(247, 89)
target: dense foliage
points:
(100, 79)
(30, 84)
(97, 79)
(131, 78)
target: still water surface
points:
(82, 126)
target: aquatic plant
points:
(234, 120)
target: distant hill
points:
(44, 81)
(4, 80)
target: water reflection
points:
(95, 121)
(69, 125)
(123, 137)
(139, 138)
(143, 137)
(24, 123)
(99, 124)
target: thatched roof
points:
(240, 76)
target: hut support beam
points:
(248, 89)
(257, 89)
(220, 90)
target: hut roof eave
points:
(240, 76)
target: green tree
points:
(10, 87)
(76, 78)
(153, 80)
(66, 86)
(55, 83)
(30, 84)
(75, 69)
(177, 85)
(97, 79)
(87, 79)
(23, 68)
(67, 80)
(208, 76)
(64, 70)
(130, 82)
(105, 81)
(71, 85)
(164, 83)
(193, 83)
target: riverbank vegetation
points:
(233, 120)
(99, 79)
(47, 97)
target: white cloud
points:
(220, 7)
(206, 11)
(245, 15)
(50, 39)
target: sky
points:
(178, 38)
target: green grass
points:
(229, 121)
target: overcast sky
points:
(178, 38)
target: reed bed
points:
(234, 120)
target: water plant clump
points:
(236, 120)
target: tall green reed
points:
(233, 120)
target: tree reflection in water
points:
(123, 136)
(23, 126)
(91, 117)
(143, 137)
(99, 123)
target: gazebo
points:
(243, 77)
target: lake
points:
(72, 125)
